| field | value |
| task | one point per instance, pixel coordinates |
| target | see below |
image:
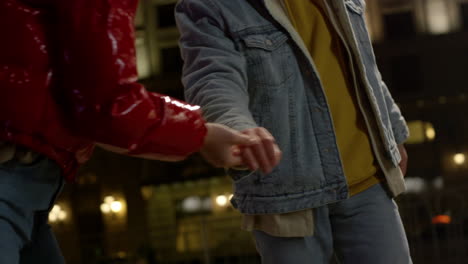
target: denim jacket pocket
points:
(268, 56)
(240, 175)
(266, 42)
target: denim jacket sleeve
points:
(214, 73)
(400, 129)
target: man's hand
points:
(264, 154)
(404, 159)
(222, 146)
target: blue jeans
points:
(364, 229)
(27, 193)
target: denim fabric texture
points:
(27, 193)
(364, 229)
(246, 70)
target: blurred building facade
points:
(125, 210)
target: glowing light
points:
(146, 192)
(105, 208)
(56, 209)
(459, 158)
(430, 132)
(441, 219)
(111, 205)
(109, 199)
(438, 17)
(116, 206)
(143, 62)
(207, 204)
(438, 183)
(221, 200)
(191, 204)
(57, 214)
(62, 215)
(421, 132)
(52, 217)
(415, 185)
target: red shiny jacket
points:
(68, 79)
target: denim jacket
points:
(247, 69)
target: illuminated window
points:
(140, 17)
(421, 132)
(143, 62)
(406, 18)
(437, 13)
(194, 205)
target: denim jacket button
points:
(268, 42)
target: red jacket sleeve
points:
(97, 84)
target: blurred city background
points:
(126, 210)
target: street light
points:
(111, 205)
(57, 214)
(459, 159)
(116, 206)
(430, 132)
(221, 200)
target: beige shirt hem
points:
(295, 224)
